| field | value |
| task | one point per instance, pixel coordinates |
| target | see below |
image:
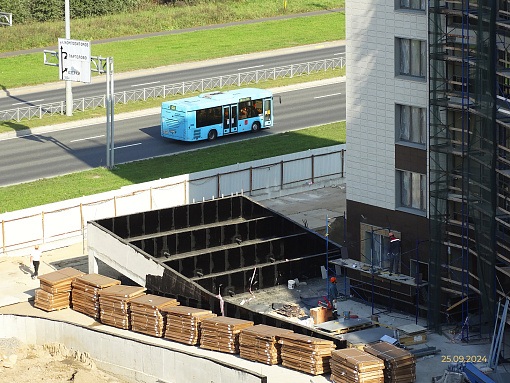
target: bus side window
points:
(243, 112)
(256, 108)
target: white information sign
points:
(74, 60)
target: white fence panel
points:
(23, 230)
(98, 210)
(62, 222)
(325, 165)
(203, 188)
(234, 182)
(298, 171)
(168, 196)
(133, 203)
(266, 177)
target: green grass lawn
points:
(99, 180)
(28, 69)
(154, 18)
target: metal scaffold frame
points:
(464, 143)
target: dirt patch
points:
(49, 363)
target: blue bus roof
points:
(212, 99)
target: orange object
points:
(332, 280)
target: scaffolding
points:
(469, 168)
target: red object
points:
(326, 304)
(332, 280)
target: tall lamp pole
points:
(69, 91)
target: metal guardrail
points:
(203, 85)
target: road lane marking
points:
(328, 95)
(250, 67)
(88, 138)
(28, 102)
(127, 146)
(146, 83)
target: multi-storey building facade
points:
(427, 119)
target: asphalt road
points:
(34, 156)
(32, 96)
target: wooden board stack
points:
(353, 365)
(399, 364)
(114, 304)
(55, 289)
(146, 316)
(222, 334)
(306, 353)
(260, 343)
(85, 293)
(183, 323)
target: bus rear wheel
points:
(255, 127)
(211, 136)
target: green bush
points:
(47, 10)
(25, 11)
(20, 10)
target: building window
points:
(418, 5)
(412, 190)
(375, 247)
(412, 57)
(411, 124)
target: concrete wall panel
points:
(132, 356)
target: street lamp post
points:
(69, 90)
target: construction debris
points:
(290, 310)
(260, 343)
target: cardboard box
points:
(321, 315)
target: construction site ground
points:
(310, 208)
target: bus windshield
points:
(216, 114)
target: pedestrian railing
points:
(163, 91)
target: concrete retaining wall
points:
(143, 358)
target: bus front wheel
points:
(255, 127)
(211, 136)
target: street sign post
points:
(74, 60)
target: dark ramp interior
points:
(221, 247)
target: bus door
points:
(230, 119)
(268, 112)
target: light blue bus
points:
(217, 114)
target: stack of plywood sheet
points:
(260, 343)
(85, 293)
(354, 365)
(146, 316)
(183, 323)
(400, 364)
(411, 334)
(55, 289)
(306, 353)
(222, 333)
(114, 304)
